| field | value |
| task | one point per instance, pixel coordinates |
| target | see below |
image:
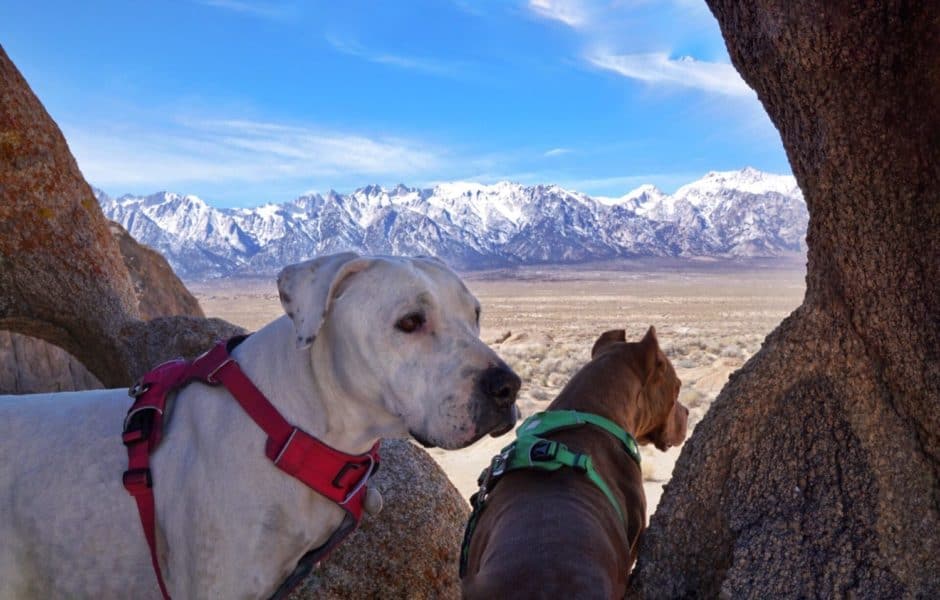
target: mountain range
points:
(745, 213)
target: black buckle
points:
(138, 424)
(581, 466)
(363, 480)
(135, 478)
(543, 450)
(350, 466)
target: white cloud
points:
(557, 152)
(570, 12)
(658, 68)
(238, 150)
(424, 65)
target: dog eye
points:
(478, 315)
(410, 323)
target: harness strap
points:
(548, 455)
(334, 474)
(531, 451)
(311, 559)
(143, 432)
(338, 476)
(138, 483)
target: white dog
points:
(370, 348)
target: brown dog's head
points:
(656, 416)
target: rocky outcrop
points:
(29, 365)
(63, 278)
(411, 548)
(816, 473)
(159, 291)
(166, 338)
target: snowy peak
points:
(747, 180)
(636, 200)
(474, 225)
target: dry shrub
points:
(691, 398)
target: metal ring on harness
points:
(362, 481)
(138, 389)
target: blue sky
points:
(244, 102)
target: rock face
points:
(410, 549)
(166, 338)
(29, 365)
(62, 275)
(816, 473)
(159, 291)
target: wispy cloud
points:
(570, 12)
(423, 65)
(557, 152)
(264, 10)
(621, 36)
(658, 68)
(240, 150)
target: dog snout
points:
(500, 384)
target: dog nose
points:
(500, 384)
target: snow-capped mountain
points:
(471, 225)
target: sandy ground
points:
(711, 316)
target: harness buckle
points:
(581, 462)
(543, 450)
(137, 481)
(498, 465)
(139, 420)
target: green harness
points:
(531, 451)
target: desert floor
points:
(710, 316)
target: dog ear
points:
(606, 339)
(306, 290)
(654, 361)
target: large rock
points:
(62, 278)
(166, 338)
(160, 293)
(816, 473)
(410, 549)
(29, 365)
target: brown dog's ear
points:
(654, 361)
(607, 338)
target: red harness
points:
(340, 477)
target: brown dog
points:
(556, 534)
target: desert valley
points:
(711, 316)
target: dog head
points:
(656, 416)
(403, 334)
